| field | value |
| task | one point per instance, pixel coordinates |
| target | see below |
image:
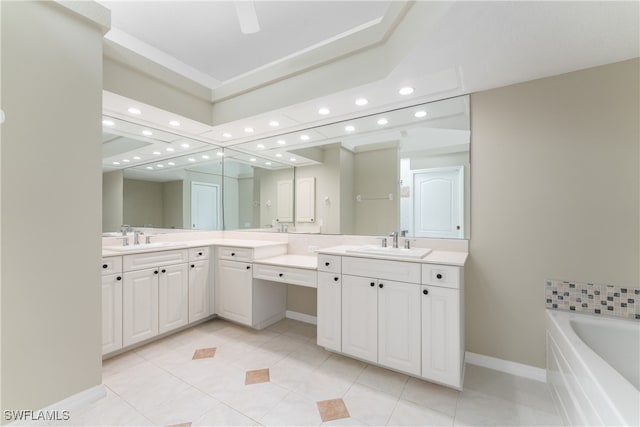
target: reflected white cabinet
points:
(173, 297)
(198, 290)
(235, 286)
(360, 317)
(329, 329)
(306, 199)
(111, 313)
(284, 201)
(139, 306)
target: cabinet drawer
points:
(111, 265)
(154, 259)
(235, 254)
(198, 253)
(292, 276)
(330, 263)
(441, 275)
(382, 269)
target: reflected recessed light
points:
(171, 164)
(274, 123)
(108, 123)
(136, 157)
(220, 153)
(160, 166)
(185, 145)
(350, 128)
(191, 159)
(147, 133)
(248, 130)
(252, 159)
(267, 163)
(150, 167)
(227, 135)
(205, 157)
(260, 146)
(304, 137)
(324, 111)
(125, 160)
(282, 142)
(116, 163)
(383, 121)
(174, 123)
(420, 114)
(278, 155)
(293, 159)
(157, 153)
(134, 110)
(362, 101)
(407, 90)
(170, 149)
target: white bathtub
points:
(593, 368)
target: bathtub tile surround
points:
(604, 300)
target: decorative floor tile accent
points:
(203, 353)
(605, 300)
(256, 377)
(333, 409)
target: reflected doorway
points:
(205, 206)
(438, 202)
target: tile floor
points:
(221, 374)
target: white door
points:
(111, 313)
(360, 317)
(399, 326)
(441, 345)
(438, 204)
(235, 291)
(330, 311)
(205, 206)
(306, 199)
(173, 297)
(198, 290)
(139, 306)
(284, 201)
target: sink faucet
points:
(136, 237)
(394, 235)
(124, 229)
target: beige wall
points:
(112, 197)
(245, 202)
(143, 202)
(172, 204)
(555, 194)
(51, 204)
(347, 197)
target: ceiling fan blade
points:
(247, 16)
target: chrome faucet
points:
(136, 237)
(124, 229)
(394, 235)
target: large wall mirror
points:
(401, 170)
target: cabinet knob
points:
(233, 254)
(425, 291)
(336, 279)
(200, 253)
(248, 267)
(119, 278)
(326, 264)
(438, 276)
(104, 266)
(381, 286)
(373, 284)
(155, 272)
(164, 271)
(193, 266)
(280, 274)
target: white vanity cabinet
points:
(111, 304)
(199, 284)
(173, 297)
(235, 291)
(329, 300)
(139, 306)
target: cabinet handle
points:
(119, 278)
(326, 264)
(438, 276)
(336, 279)
(193, 266)
(248, 267)
(233, 254)
(104, 266)
(280, 274)
(164, 271)
(373, 284)
(155, 272)
(200, 253)
(380, 285)
(425, 291)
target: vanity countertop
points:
(434, 257)
(308, 262)
(237, 243)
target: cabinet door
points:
(330, 311)
(140, 306)
(399, 326)
(198, 290)
(173, 297)
(111, 313)
(441, 339)
(360, 317)
(235, 289)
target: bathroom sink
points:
(146, 246)
(413, 253)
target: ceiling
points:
(447, 49)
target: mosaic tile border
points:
(604, 300)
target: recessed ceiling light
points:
(278, 155)
(420, 114)
(174, 123)
(383, 121)
(125, 160)
(362, 101)
(248, 130)
(304, 137)
(407, 90)
(134, 110)
(274, 123)
(267, 163)
(160, 166)
(171, 164)
(350, 128)
(170, 149)
(260, 146)
(227, 135)
(157, 153)
(150, 167)
(324, 111)
(282, 142)
(293, 159)
(147, 133)
(191, 159)
(108, 123)
(185, 145)
(136, 157)
(220, 153)
(205, 157)
(252, 159)
(116, 163)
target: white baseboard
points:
(301, 317)
(507, 366)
